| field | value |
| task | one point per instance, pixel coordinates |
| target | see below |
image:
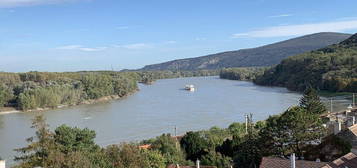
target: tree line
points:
(149, 77)
(244, 74)
(33, 90)
(298, 130)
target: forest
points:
(333, 68)
(244, 74)
(32, 90)
(40, 90)
(239, 145)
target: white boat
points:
(190, 88)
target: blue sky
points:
(72, 35)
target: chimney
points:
(292, 160)
(2, 164)
(197, 163)
(337, 127)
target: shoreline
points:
(12, 110)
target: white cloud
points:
(282, 15)
(81, 48)
(17, 3)
(300, 29)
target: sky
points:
(74, 35)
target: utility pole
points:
(176, 142)
(331, 107)
(353, 100)
(175, 131)
(246, 123)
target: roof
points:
(146, 146)
(174, 166)
(275, 162)
(347, 161)
(353, 129)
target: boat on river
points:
(190, 88)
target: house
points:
(347, 161)
(276, 162)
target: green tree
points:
(194, 145)
(292, 131)
(5, 95)
(213, 158)
(248, 153)
(36, 153)
(75, 139)
(153, 159)
(311, 102)
(125, 155)
(170, 148)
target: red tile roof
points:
(146, 146)
(275, 162)
(347, 161)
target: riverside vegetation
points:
(33, 90)
(41, 90)
(332, 69)
(237, 145)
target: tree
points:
(311, 102)
(273, 137)
(291, 131)
(125, 155)
(36, 153)
(67, 148)
(153, 159)
(194, 145)
(248, 153)
(169, 148)
(213, 158)
(75, 139)
(5, 95)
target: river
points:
(157, 109)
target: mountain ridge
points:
(266, 55)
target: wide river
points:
(157, 109)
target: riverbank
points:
(11, 110)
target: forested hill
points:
(262, 56)
(332, 68)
